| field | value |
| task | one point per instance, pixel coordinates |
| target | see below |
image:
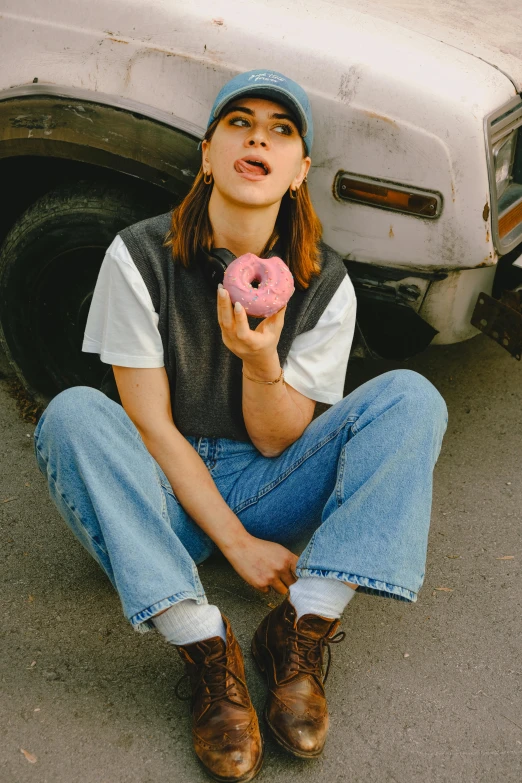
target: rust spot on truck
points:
(390, 232)
(485, 213)
(488, 261)
(487, 237)
(118, 40)
(376, 116)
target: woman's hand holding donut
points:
(249, 345)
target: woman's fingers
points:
(279, 583)
(279, 586)
(232, 318)
(289, 577)
(224, 309)
(243, 330)
(237, 334)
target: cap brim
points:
(279, 94)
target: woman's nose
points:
(258, 137)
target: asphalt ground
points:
(418, 693)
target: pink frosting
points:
(276, 284)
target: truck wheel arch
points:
(114, 138)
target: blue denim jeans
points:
(357, 484)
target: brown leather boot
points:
(291, 654)
(225, 728)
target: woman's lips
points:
(249, 170)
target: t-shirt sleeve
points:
(317, 361)
(122, 325)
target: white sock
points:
(318, 595)
(187, 622)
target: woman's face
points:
(255, 129)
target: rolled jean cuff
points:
(366, 585)
(142, 623)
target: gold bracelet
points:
(270, 383)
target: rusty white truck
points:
(416, 165)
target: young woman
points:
(213, 444)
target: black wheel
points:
(49, 263)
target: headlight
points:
(503, 155)
(504, 150)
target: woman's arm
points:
(145, 395)
(275, 416)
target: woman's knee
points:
(419, 394)
(70, 411)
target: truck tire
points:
(49, 263)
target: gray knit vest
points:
(205, 377)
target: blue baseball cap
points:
(272, 85)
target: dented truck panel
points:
(391, 101)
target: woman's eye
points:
(238, 120)
(286, 129)
(282, 128)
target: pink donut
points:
(276, 284)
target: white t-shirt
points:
(122, 326)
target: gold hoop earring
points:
(209, 180)
(294, 197)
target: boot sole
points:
(298, 753)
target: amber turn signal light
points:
(510, 220)
(388, 195)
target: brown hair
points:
(297, 226)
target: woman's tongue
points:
(243, 167)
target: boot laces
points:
(306, 654)
(212, 676)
